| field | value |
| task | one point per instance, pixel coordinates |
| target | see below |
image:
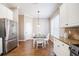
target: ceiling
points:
(30, 9)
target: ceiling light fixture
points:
(38, 25)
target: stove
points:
(74, 49)
(77, 45)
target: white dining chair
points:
(34, 42)
(38, 42)
(46, 40)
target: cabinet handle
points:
(58, 46)
(62, 44)
(66, 24)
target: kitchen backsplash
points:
(72, 32)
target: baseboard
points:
(22, 40)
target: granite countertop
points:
(69, 41)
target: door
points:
(73, 10)
(64, 16)
(12, 29)
(28, 30)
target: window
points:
(55, 26)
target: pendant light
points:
(38, 25)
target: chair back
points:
(47, 36)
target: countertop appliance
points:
(8, 34)
(74, 50)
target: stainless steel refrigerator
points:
(8, 34)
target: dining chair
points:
(46, 40)
(34, 42)
(39, 42)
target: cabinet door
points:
(69, 15)
(2, 11)
(5, 12)
(56, 48)
(9, 14)
(63, 15)
(73, 10)
(61, 49)
(64, 49)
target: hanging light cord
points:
(38, 16)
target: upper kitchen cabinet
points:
(5, 12)
(63, 16)
(69, 15)
(73, 12)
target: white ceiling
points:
(30, 9)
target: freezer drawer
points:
(11, 45)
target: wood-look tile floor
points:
(26, 49)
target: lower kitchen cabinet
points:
(60, 48)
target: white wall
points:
(28, 27)
(44, 26)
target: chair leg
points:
(33, 44)
(47, 42)
(43, 45)
(36, 45)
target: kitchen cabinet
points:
(60, 48)
(69, 15)
(0, 46)
(63, 16)
(73, 12)
(5, 12)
